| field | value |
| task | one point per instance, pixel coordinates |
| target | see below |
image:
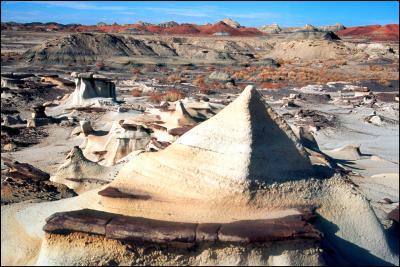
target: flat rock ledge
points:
(126, 228)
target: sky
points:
(247, 13)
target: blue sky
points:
(296, 13)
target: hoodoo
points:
(90, 86)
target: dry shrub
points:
(170, 95)
(100, 65)
(156, 97)
(243, 75)
(384, 82)
(136, 71)
(150, 68)
(266, 85)
(174, 78)
(137, 92)
(173, 95)
(376, 68)
(217, 85)
(199, 81)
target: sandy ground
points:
(49, 154)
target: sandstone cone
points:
(244, 143)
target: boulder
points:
(220, 76)
(377, 120)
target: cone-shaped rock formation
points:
(244, 143)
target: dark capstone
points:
(136, 228)
(127, 228)
(86, 220)
(285, 228)
(207, 232)
(115, 193)
(180, 131)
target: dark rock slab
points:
(159, 144)
(127, 228)
(142, 229)
(116, 193)
(86, 220)
(180, 131)
(207, 232)
(25, 171)
(290, 227)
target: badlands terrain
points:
(184, 144)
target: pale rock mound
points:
(334, 28)
(309, 27)
(255, 138)
(122, 139)
(309, 50)
(81, 174)
(273, 28)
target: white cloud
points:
(185, 12)
(73, 5)
(254, 15)
(126, 13)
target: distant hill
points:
(168, 28)
(389, 32)
(228, 27)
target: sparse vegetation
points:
(137, 92)
(170, 95)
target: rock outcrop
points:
(123, 138)
(309, 27)
(168, 24)
(232, 23)
(313, 35)
(220, 76)
(273, 28)
(81, 174)
(333, 28)
(246, 132)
